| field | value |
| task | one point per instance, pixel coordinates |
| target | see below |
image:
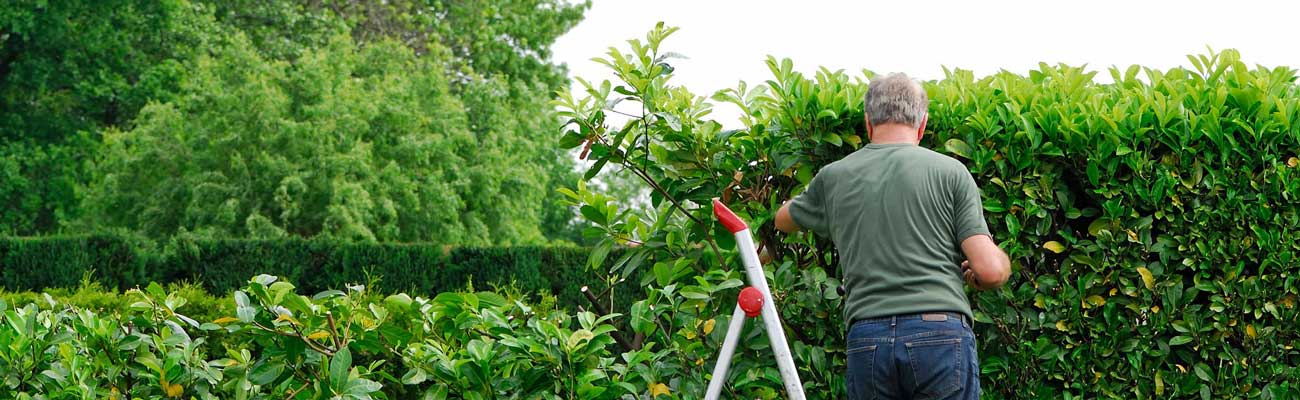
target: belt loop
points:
(893, 321)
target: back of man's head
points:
(896, 99)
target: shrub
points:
(1148, 220)
(348, 344)
(219, 266)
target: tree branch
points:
(601, 311)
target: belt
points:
(929, 316)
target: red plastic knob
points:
(751, 300)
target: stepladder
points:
(754, 302)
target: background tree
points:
(74, 77)
(68, 69)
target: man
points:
(909, 226)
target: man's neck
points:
(893, 134)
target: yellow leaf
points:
(1292, 162)
(699, 361)
(1113, 291)
(318, 335)
(1160, 383)
(1155, 309)
(1132, 236)
(690, 335)
(1038, 302)
(225, 320)
(658, 389)
(708, 326)
(1250, 331)
(1095, 301)
(173, 390)
(1054, 246)
(285, 317)
(1147, 279)
(1060, 326)
(232, 363)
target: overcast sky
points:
(727, 41)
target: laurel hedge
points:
(221, 266)
(1149, 218)
(1150, 222)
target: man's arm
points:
(784, 222)
(808, 209)
(986, 266)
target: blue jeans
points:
(919, 356)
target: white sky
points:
(727, 41)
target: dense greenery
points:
(390, 121)
(221, 266)
(1149, 220)
(268, 340)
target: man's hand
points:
(970, 277)
(986, 266)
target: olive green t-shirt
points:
(897, 214)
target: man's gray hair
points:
(896, 99)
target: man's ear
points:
(867, 118)
(920, 132)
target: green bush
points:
(270, 341)
(1149, 220)
(219, 266)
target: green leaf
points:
(414, 376)
(1179, 340)
(571, 140)
(265, 372)
(340, 365)
(362, 387)
(595, 169)
(264, 279)
(155, 290)
(1203, 372)
(593, 214)
(243, 309)
(642, 320)
(958, 148)
(663, 273)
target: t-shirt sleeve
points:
(968, 209)
(808, 209)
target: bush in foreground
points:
(335, 344)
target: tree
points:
(352, 143)
(68, 69)
(71, 72)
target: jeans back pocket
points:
(936, 367)
(860, 381)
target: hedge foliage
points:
(221, 266)
(1149, 220)
(267, 340)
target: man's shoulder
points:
(937, 159)
(918, 156)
